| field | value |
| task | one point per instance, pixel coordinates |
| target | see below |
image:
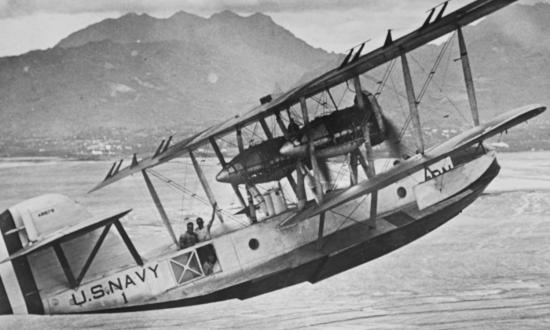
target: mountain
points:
(139, 76)
(126, 82)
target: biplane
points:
(56, 257)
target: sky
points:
(335, 25)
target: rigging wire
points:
(186, 169)
(348, 217)
(385, 77)
(340, 172)
(185, 190)
(448, 61)
(430, 76)
(434, 68)
(429, 80)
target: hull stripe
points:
(20, 268)
(5, 307)
(14, 295)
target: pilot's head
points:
(189, 227)
(200, 222)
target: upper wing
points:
(158, 158)
(418, 162)
(358, 65)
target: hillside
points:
(123, 83)
(137, 76)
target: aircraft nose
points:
(224, 176)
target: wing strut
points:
(312, 158)
(368, 146)
(65, 264)
(92, 255)
(366, 131)
(332, 99)
(128, 242)
(223, 163)
(281, 124)
(269, 135)
(413, 106)
(300, 188)
(468, 76)
(266, 129)
(74, 282)
(315, 167)
(363, 162)
(321, 230)
(251, 207)
(353, 168)
(159, 206)
(205, 185)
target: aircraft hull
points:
(285, 256)
(343, 249)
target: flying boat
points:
(56, 257)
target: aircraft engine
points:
(258, 164)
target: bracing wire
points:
(385, 77)
(340, 172)
(192, 194)
(348, 217)
(434, 68)
(428, 81)
(430, 76)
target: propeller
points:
(322, 164)
(393, 141)
(386, 126)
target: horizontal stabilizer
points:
(418, 162)
(67, 233)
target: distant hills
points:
(130, 78)
(122, 83)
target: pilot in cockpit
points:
(203, 233)
(189, 238)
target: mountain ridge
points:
(133, 79)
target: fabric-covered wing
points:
(418, 162)
(358, 65)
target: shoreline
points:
(91, 158)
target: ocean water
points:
(489, 268)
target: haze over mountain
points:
(137, 76)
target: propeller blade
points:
(300, 186)
(322, 163)
(396, 148)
